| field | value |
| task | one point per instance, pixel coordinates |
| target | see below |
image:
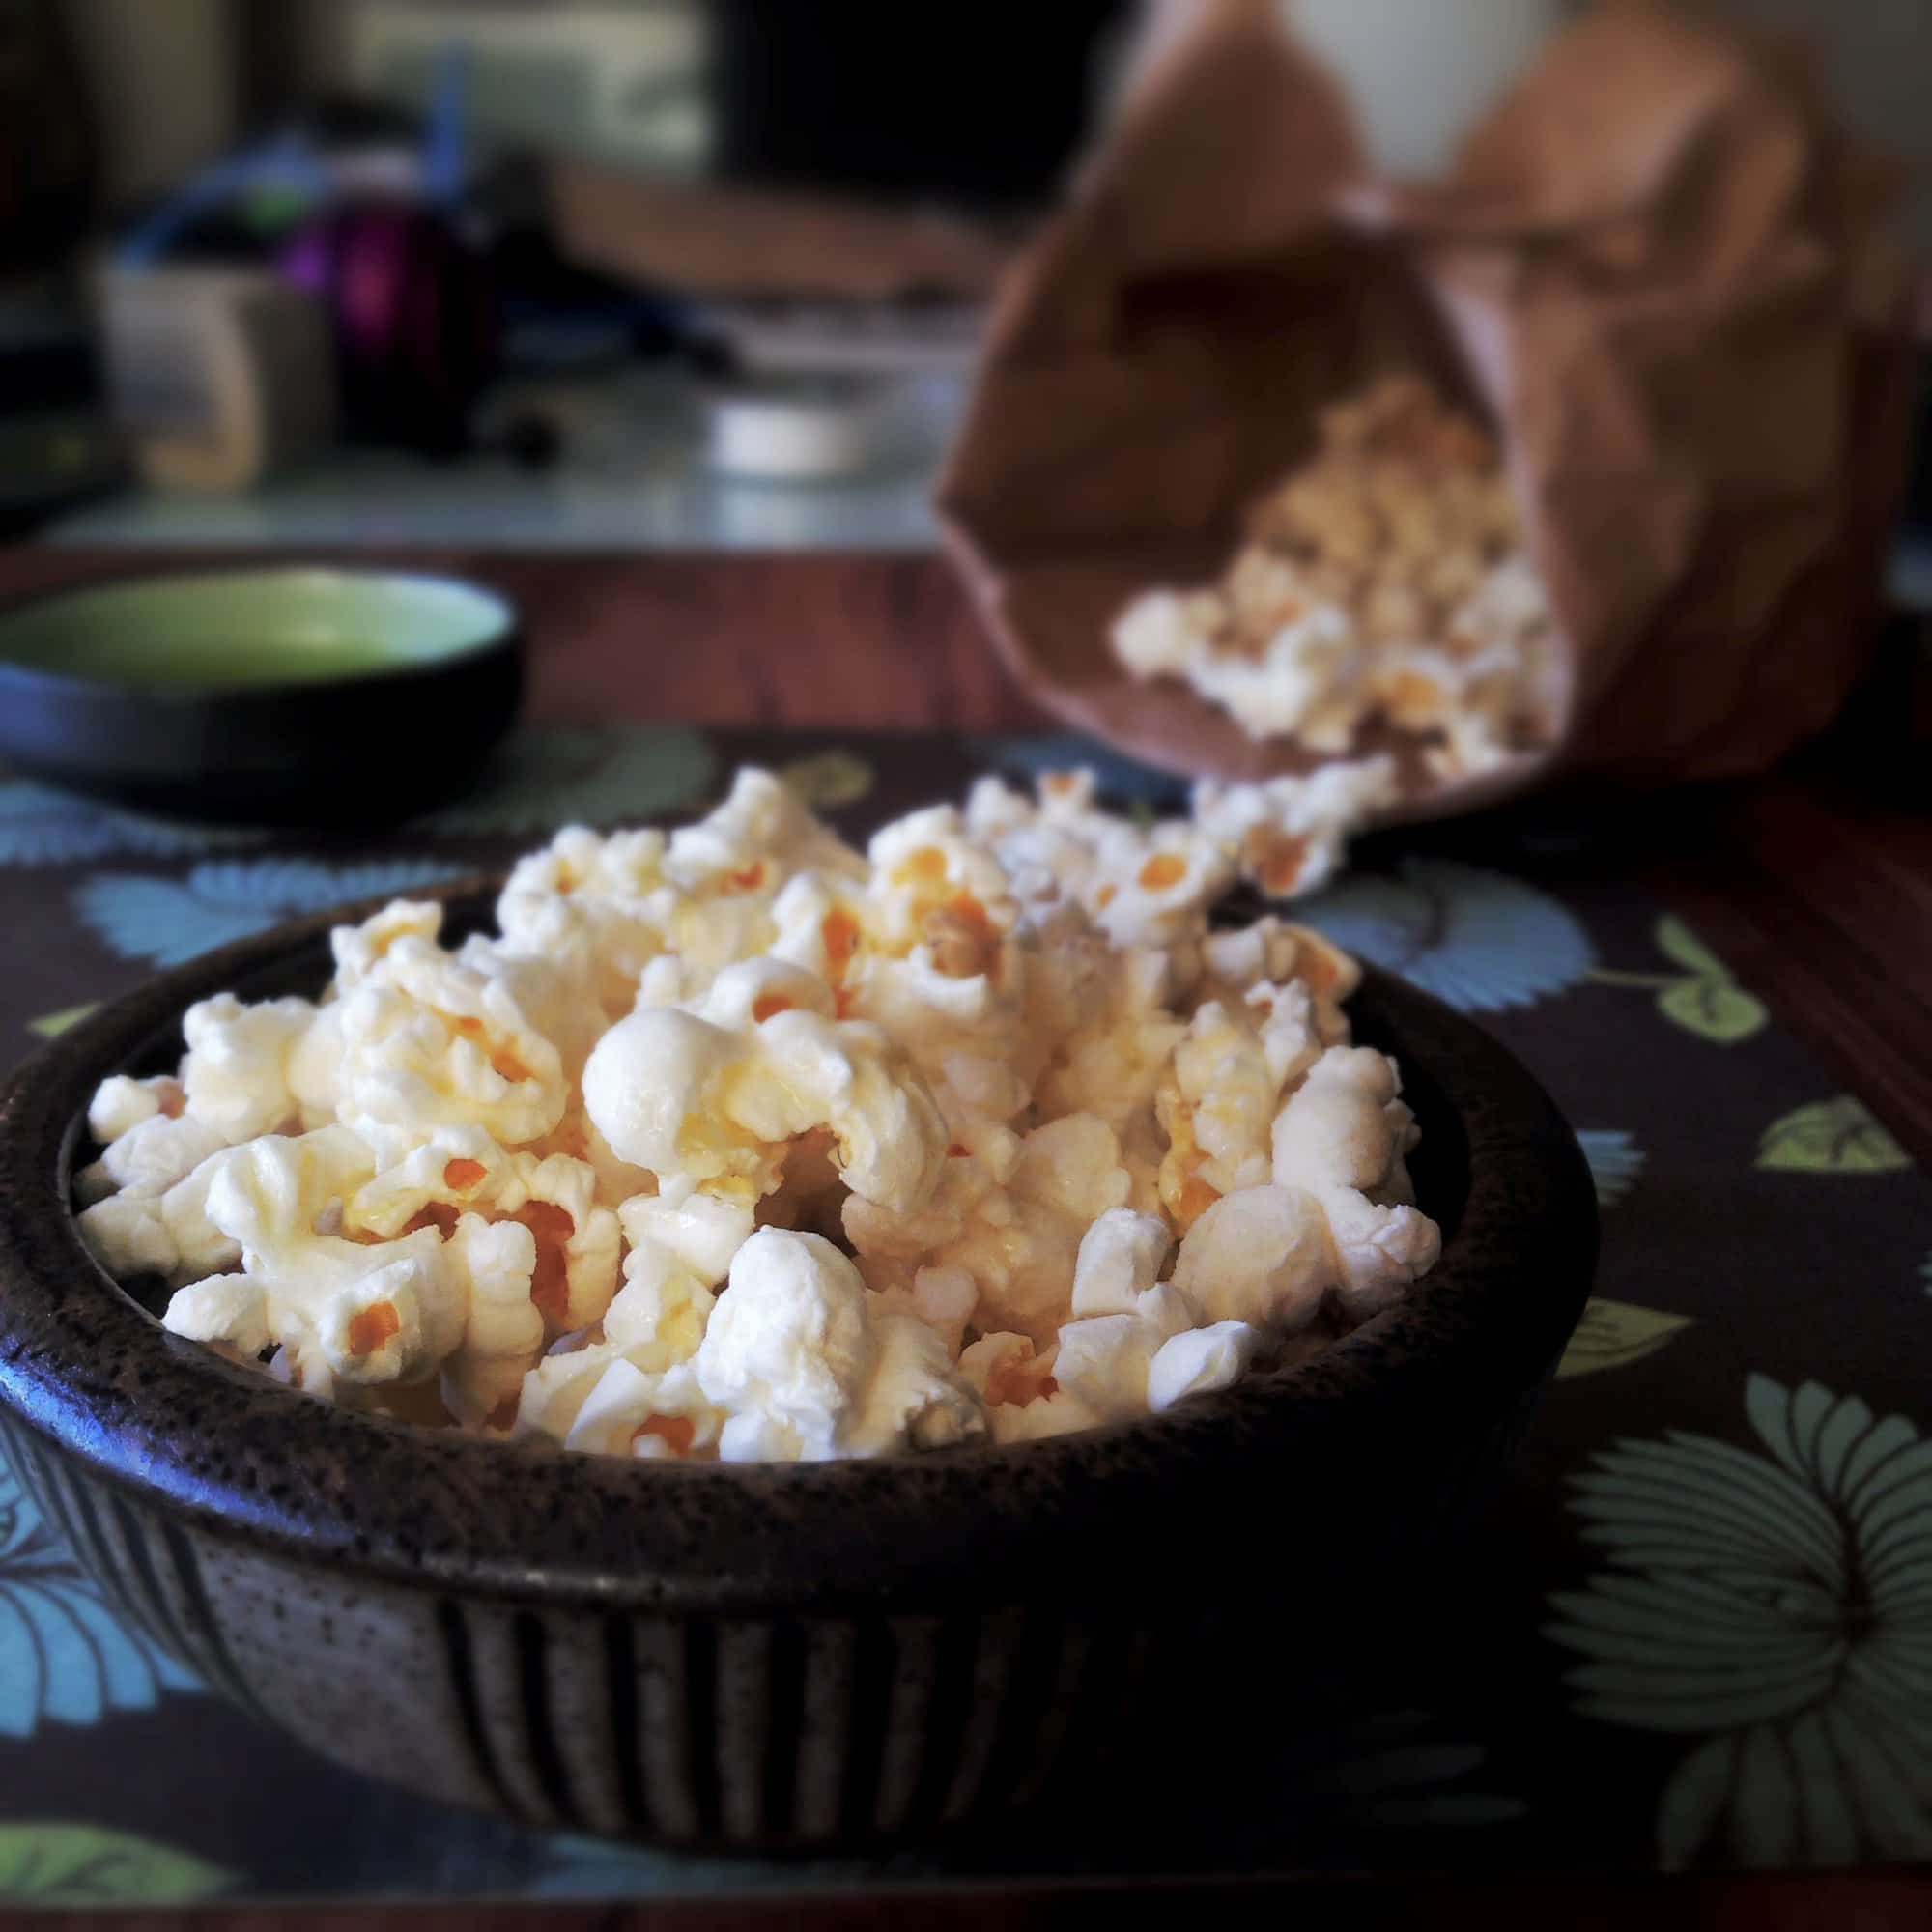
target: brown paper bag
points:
(1655, 270)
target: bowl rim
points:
(504, 632)
(223, 1449)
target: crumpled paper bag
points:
(1655, 270)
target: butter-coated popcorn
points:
(1198, 1361)
(426, 1041)
(228, 1312)
(1260, 1254)
(503, 1336)
(125, 1234)
(1102, 1360)
(234, 1078)
(627, 1411)
(736, 1142)
(155, 1153)
(121, 1104)
(1120, 1257)
(1289, 835)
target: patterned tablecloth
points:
(1699, 1625)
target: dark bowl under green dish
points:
(282, 694)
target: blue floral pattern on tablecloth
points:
(65, 1658)
(39, 826)
(1479, 940)
(166, 921)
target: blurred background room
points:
(674, 259)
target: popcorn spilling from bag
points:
(1386, 579)
(741, 1143)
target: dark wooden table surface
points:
(1814, 883)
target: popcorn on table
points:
(1386, 577)
(738, 1143)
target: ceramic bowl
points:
(283, 694)
(762, 1656)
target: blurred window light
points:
(1421, 71)
(625, 83)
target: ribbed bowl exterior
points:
(736, 1733)
(799, 1732)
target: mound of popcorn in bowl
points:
(738, 1143)
(1386, 579)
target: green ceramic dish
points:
(292, 693)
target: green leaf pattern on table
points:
(1719, 1010)
(74, 1864)
(1836, 1136)
(828, 780)
(1615, 1334)
(1705, 999)
(51, 1026)
(1777, 1606)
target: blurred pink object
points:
(414, 314)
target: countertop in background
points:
(633, 477)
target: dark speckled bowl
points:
(745, 1655)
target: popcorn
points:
(504, 1333)
(126, 1234)
(1343, 1127)
(709, 1097)
(1198, 1361)
(1259, 1256)
(1386, 579)
(557, 1387)
(1121, 1256)
(680, 1251)
(342, 1310)
(426, 1041)
(1019, 1245)
(917, 1397)
(155, 1153)
(1289, 833)
(1343, 1136)
(1005, 1369)
(139, 1231)
(628, 1411)
(234, 1078)
(1381, 1250)
(655, 1088)
(228, 1312)
(121, 1104)
(1058, 1414)
(788, 1351)
(1092, 1155)
(1103, 1360)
